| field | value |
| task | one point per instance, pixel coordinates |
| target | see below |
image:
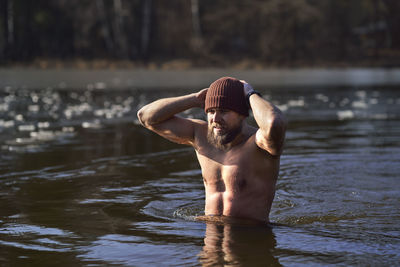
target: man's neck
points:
(240, 138)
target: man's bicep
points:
(176, 129)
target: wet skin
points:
(239, 181)
(239, 163)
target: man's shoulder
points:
(200, 126)
(253, 150)
(200, 131)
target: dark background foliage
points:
(203, 32)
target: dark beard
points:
(222, 141)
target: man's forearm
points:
(264, 112)
(270, 120)
(164, 109)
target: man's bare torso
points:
(239, 182)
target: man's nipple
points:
(242, 184)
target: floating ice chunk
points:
(344, 102)
(322, 97)
(7, 124)
(361, 94)
(34, 108)
(26, 128)
(54, 116)
(92, 125)
(109, 115)
(128, 101)
(43, 135)
(4, 107)
(19, 117)
(381, 116)
(67, 129)
(73, 95)
(373, 101)
(34, 97)
(84, 107)
(359, 104)
(44, 124)
(99, 112)
(100, 85)
(9, 98)
(107, 104)
(296, 103)
(68, 113)
(283, 107)
(48, 100)
(20, 141)
(345, 114)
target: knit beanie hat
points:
(227, 93)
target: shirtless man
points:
(239, 163)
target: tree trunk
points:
(119, 33)
(7, 41)
(104, 27)
(376, 30)
(146, 27)
(197, 40)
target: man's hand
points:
(201, 97)
(246, 87)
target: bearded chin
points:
(222, 142)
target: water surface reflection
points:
(236, 245)
(81, 183)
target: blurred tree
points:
(6, 27)
(197, 38)
(271, 32)
(172, 29)
(392, 19)
(146, 28)
(290, 29)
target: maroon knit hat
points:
(227, 93)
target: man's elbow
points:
(272, 138)
(142, 118)
(278, 134)
(277, 126)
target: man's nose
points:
(217, 116)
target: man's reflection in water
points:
(238, 245)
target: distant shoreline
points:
(190, 79)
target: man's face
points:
(223, 126)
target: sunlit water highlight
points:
(81, 183)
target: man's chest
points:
(224, 172)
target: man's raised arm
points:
(270, 120)
(160, 116)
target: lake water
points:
(82, 183)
